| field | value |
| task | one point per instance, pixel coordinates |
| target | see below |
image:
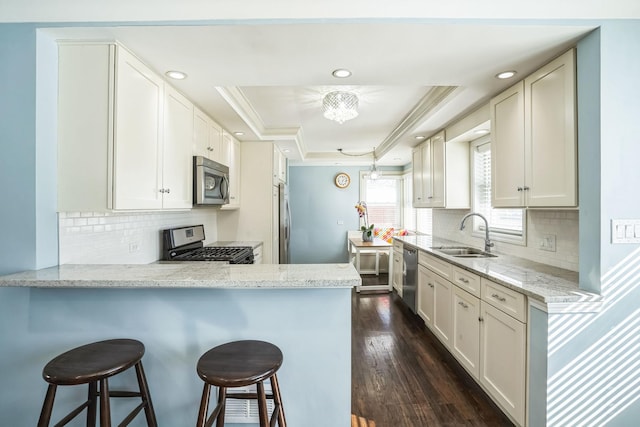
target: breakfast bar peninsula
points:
(179, 311)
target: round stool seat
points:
(239, 363)
(93, 362)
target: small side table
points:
(356, 246)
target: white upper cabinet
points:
(441, 174)
(177, 165)
(279, 166)
(232, 157)
(207, 136)
(534, 144)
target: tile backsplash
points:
(561, 223)
(123, 238)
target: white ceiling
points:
(266, 76)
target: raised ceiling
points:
(265, 76)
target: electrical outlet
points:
(340, 222)
(134, 247)
(547, 242)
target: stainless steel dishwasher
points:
(410, 277)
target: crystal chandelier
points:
(340, 106)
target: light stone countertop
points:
(184, 275)
(236, 243)
(541, 282)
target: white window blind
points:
(501, 221)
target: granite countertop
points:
(542, 282)
(236, 243)
(184, 275)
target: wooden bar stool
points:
(93, 364)
(239, 364)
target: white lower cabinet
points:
(465, 343)
(442, 301)
(483, 324)
(426, 296)
(503, 344)
(397, 266)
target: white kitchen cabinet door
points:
(231, 156)
(206, 136)
(533, 139)
(419, 199)
(507, 147)
(426, 295)
(137, 156)
(397, 266)
(177, 165)
(442, 315)
(503, 360)
(550, 134)
(465, 343)
(437, 197)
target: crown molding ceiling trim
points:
(240, 104)
(429, 104)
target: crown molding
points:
(428, 105)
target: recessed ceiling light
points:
(481, 132)
(505, 74)
(420, 137)
(286, 150)
(176, 75)
(238, 133)
(341, 73)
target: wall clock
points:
(342, 180)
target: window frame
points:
(478, 228)
(364, 175)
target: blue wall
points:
(317, 206)
(17, 148)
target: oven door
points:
(211, 182)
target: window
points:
(415, 219)
(504, 224)
(384, 199)
(389, 202)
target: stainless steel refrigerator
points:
(285, 223)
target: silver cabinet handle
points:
(463, 280)
(165, 190)
(465, 306)
(430, 285)
(498, 297)
(168, 190)
(520, 188)
(525, 188)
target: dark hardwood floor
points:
(403, 377)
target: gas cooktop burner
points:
(232, 254)
(186, 244)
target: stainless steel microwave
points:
(210, 182)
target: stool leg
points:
(92, 397)
(146, 396)
(47, 406)
(262, 405)
(222, 404)
(105, 409)
(275, 389)
(204, 405)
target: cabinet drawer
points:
(510, 302)
(397, 246)
(466, 280)
(442, 268)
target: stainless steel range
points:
(186, 244)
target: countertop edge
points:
(569, 295)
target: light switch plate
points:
(625, 231)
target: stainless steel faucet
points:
(487, 243)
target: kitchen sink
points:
(463, 252)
